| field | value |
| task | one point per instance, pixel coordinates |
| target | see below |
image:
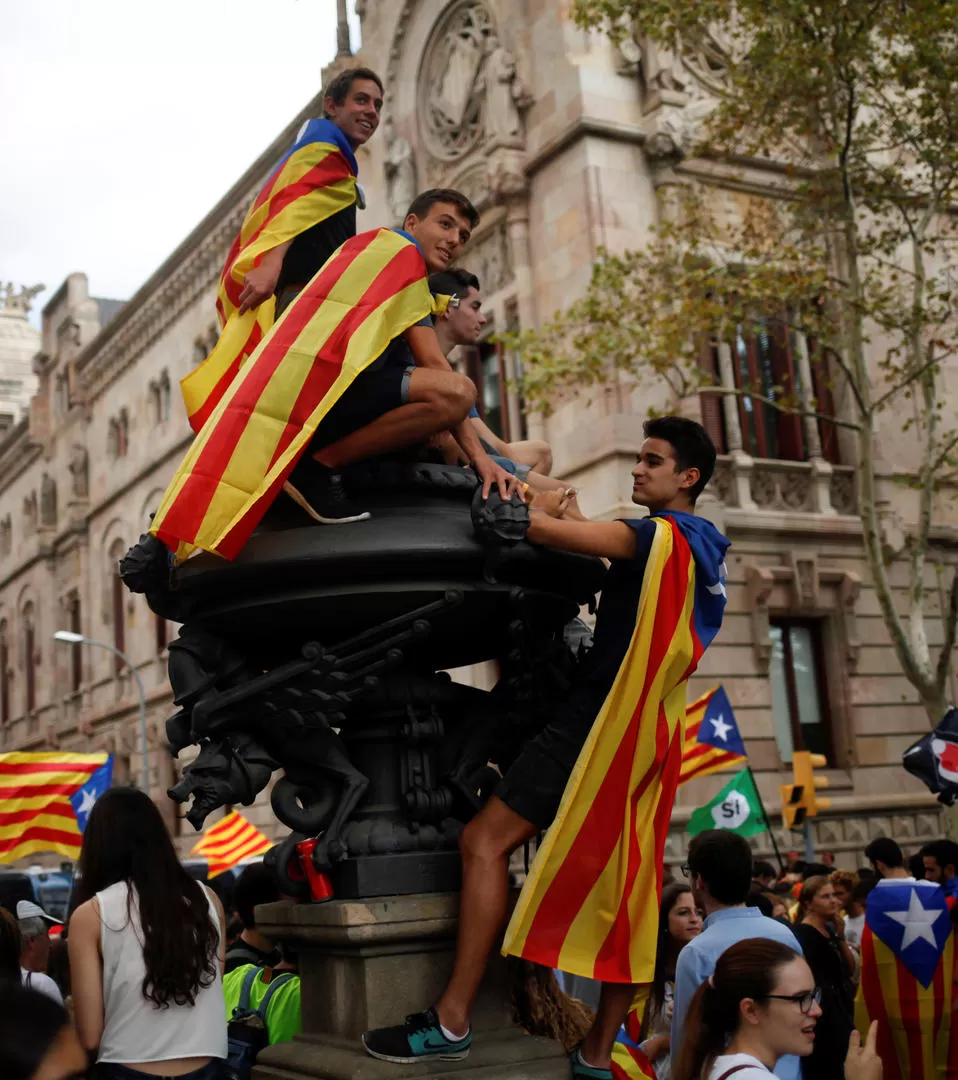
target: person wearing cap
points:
(16, 952)
(35, 926)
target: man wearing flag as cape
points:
(601, 777)
(303, 213)
(351, 370)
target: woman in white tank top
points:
(146, 950)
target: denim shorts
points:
(109, 1070)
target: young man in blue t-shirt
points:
(674, 465)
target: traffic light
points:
(804, 765)
(799, 799)
(793, 813)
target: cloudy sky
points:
(124, 122)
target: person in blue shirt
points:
(720, 872)
(940, 861)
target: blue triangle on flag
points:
(718, 727)
(913, 920)
(84, 798)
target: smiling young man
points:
(409, 394)
(612, 724)
(352, 103)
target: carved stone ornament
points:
(80, 472)
(468, 85)
(491, 260)
(48, 501)
(399, 170)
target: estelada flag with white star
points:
(42, 796)
(712, 738)
(907, 979)
(228, 842)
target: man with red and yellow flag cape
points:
(350, 371)
(908, 972)
(302, 214)
(602, 775)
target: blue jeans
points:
(109, 1070)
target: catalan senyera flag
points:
(36, 812)
(712, 739)
(590, 905)
(315, 179)
(228, 842)
(907, 980)
(372, 289)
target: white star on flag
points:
(721, 728)
(87, 799)
(917, 921)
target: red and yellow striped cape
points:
(916, 1024)
(590, 905)
(370, 291)
(629, 1061)
(315, 179)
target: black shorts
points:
(369, 395)
(534, 783)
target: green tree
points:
(853, 106)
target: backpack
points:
(247, 1032)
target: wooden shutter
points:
(711, 404)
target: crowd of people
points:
(756, 970)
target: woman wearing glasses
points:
(760, 1004)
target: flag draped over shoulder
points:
(372, 289)
(907, 980)
(36, 808)
(315, 179)
(228, 842)
(590, 904)
(712, 739)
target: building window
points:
(118, 435)
(76, 650)
(766, 363)
(799, 702)
(160, 398)
(4, 676)
(119, 620)
(30, 658)
(485, 366)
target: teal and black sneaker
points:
(418, 1037)
(582, 1071)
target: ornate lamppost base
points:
(364, 964)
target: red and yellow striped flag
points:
(629, 1061)
(712, 738)
(315, 179)
(590, 905)
(369, 292)
(228, 842)
(35, 809)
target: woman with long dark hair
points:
(679, 922)
(760, 1004)
(146, 949)
(821, 931)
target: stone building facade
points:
(566, 144)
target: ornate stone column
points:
(742, 463)
(821, 469)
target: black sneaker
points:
(319, 491)
(419, 1037)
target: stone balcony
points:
(805, 487)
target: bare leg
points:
(486, 844)
(610, 1016)
(438, 400)
(535, 453)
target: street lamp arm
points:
(80, 639)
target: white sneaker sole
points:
(457, 1055)
(301, 500)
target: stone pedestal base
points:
(366, 964)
